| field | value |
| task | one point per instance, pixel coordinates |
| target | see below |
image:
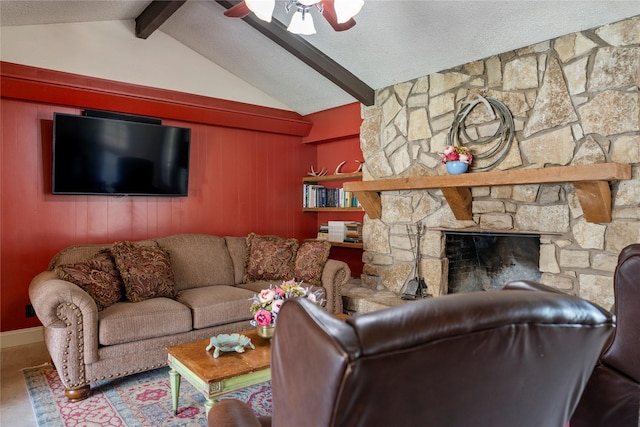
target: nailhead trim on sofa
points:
(65, 369)
(69, 323)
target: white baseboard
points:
(21, 337)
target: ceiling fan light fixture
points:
(263, 9)
(347, 9)
(302, 22)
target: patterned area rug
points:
(138, 400)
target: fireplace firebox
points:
(487, 261)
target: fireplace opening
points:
(488, 261)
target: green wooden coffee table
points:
(214, 377)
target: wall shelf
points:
(347, 245)
(341, 244)
(327, 178)
(338, 177)
(591, 183)
(355, 209)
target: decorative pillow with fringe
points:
(98, 276)
(145, 270)
(270, 258)
(310, 261)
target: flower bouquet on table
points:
(266, 305)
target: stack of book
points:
(337, 231)
(323, 232)
(341, 231)
(318, 196)
(354, 232)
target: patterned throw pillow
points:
(145, 270)
(98, 276)
(310, 261)
(270, 258)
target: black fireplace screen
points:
(487, 261)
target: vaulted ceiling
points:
(392, 42)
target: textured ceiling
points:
(393, 41)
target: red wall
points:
(241, 180)
(246, 167)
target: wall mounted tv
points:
(121, 155)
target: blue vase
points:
(455, 167)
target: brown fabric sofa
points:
(514, 357)
(88, 344)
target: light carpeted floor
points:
(139, 400)
(15, 406)
(15, 403)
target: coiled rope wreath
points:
(497, 145)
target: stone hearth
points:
(358, 299)
(574, 101)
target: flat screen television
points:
(104, 156)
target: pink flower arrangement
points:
(266, 305)
(453, 152)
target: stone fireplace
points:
(574, 101)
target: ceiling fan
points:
(338, 13)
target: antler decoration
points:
(318, 173)
(337, 172)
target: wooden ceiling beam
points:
(310, 55)
(155, 15)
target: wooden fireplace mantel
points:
(591, 183)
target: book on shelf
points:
(349, 240)
(337, 231)
(319, 196)
(353, 232)
(341, 231)
(323, 231)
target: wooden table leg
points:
(209, 404)
(174, 379)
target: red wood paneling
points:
(334, 124)
(55, 87)
(241, 180)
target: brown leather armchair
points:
(509, 358)
(612, 395)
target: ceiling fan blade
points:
(238, 11)
(329, 14)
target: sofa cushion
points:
(238, 251)
(145, 270)
(98, 276)
(310, 261)
(258, 286)
(198, 260)
(126, 321)
(217, 305)
(270, 258)
(74, 254)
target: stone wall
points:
(575, 100)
